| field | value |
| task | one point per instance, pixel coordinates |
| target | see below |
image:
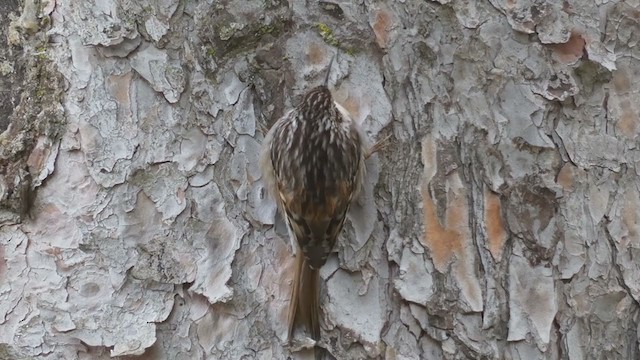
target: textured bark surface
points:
(501, 221)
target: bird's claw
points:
(300, 344)
(379, 145)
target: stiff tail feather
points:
(305, 303)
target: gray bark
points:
(499, 222)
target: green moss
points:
(592, 73)
(327, 35)
(351, 51)
(236, 38)
(42, 56)
(211, 52)
(38, 114)
(265, 29)
(143, 179)
(6, 352)
(45, 22)
(40, 92)
(6, 68)
(227, 31)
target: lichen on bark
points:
(36, 122)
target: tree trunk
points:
(499, 221)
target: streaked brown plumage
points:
(313, 164)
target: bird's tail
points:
(305, 302)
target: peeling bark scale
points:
(500, 222)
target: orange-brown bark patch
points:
(628, 123)
(494, 224)
(316, 54)
(570, 51)
(118, 86)
(631, 221)
(353, 107)
(381, 26)
(37, 156)
(443, 240)
(565, 177)
(621, 81)
(3, 264)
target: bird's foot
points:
(379, 145)
(300, 344)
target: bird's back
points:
(316, 154)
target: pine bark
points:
(499, 221)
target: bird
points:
(313, 164)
